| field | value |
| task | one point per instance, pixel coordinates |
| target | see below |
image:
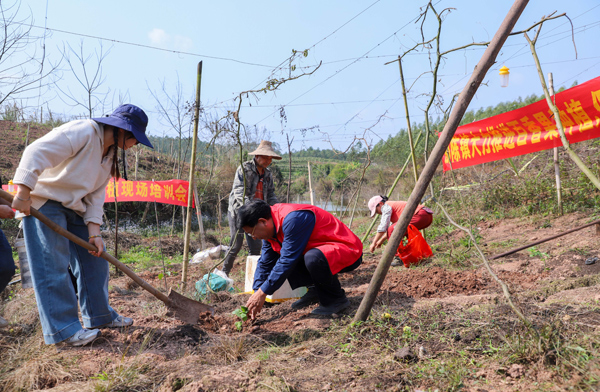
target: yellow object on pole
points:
(504, 76)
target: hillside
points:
(444, 324)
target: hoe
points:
(183, 308)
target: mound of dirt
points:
(435, 282)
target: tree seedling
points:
(242, 313)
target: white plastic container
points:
(284, 293)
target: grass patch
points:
(143, 258)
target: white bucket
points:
(284, 293)
(23, 264)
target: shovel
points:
(183, 308)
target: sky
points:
(353, 94)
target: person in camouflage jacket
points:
(259, 185)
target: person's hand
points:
(22, 200)
(255, 303)
(6, 212)
(98, 243)
(372, 247)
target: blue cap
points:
(130, 118)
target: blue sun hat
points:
(130, 118)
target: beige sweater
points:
(66, 165)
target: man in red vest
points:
(305, 245)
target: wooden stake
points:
(389, 194)
(219, 212)
(556, 165)
(287, 199)
(188, 226)
(408, 129)
(310, 189)
(199, 217)
(486, 61)
(117, 272)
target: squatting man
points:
(304, 244)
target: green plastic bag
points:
(218, 282)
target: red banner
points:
(12, 189)
(528, 129)
(167, 192)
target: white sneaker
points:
(3, 322)
(119, 322)
(82, 337)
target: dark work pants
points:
(315, 271)
(7, 264)
(236, 244)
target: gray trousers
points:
(236, 244)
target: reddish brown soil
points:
(166, 345)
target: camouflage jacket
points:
(237, 198)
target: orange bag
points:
(416, 248)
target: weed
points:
(581, 251)
(34, 366)
(242, 313)
(534, 252)
(230, 350)
(123, 377)
(144, 258)
(266, 354)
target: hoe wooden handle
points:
(84, 244)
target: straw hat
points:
(265, 148)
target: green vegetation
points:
(141, 258)
(242, 313)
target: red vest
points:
(397, 208)
(338, 243)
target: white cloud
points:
(183, 44)
(158, 37)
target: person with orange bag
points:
(390, 212)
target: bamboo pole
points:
(556, 164)
(310, 189)
(389, 194)
(199, 217)
(116, 223)
(465, 97)
(162, 256)
(408, 129)
(287, 199)
(188, 226)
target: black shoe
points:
(311, 297)
(335, 307)
(397, 262)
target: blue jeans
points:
(50, 255)
(7, 264)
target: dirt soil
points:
(181, 352)
(283, 349)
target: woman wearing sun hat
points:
(64, 175)
(390, 213)
(259, 185)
